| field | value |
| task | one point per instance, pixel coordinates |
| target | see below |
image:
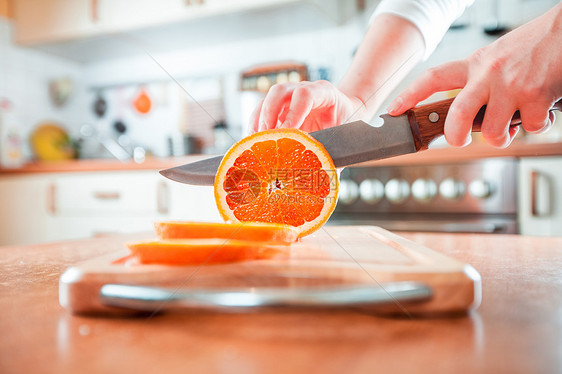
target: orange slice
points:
(257, 232)
(202, 251)
(277, 176)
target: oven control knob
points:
(371, 190)
(451, 189)
(349, 191)
(424, 190)
(397, 190)
(480, 189)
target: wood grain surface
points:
(517, 329)
(428, 121)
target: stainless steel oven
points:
(472, 196)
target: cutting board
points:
(333, 257)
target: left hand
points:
(520, 71)
(309, 106)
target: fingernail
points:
(468, 140)
(395, 105)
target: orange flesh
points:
(259, 232)
(277, 181)
(202, 251)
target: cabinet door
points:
(47, 21)
(41, 21)
(26, 210)
(5, 9)
(540, 196)
(52, 207)
(101, 203)
(192, 203)
(123, 193)
(123, 15)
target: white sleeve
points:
(431, 17)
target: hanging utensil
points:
(142, 102)
(100, 105)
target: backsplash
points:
(24, 81)
(211, 74)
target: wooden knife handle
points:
(428, 121)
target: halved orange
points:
(255, 231)
(277, 176)
(202, 251)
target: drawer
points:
(125, 194)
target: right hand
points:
(309, 106)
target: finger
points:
(551, 120)
(513, 131)
(255, 118)
(304, 99)
(463, 110)
(496, 124)
(535, 118)
(277, 95)
(284, 112)
(444, 77)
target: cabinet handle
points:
(52, 199)
(543, 194)
(163, 198)
(107, 195)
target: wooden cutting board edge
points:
(456, 286)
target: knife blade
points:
(357, 142)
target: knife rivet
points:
(433, 117)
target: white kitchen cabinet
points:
(24, 213)
(192, 203)
(45, 21)
(110, 193)
(41, 21)
(59, 206)
(540, 196)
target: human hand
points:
(520, 71)
(309, 106)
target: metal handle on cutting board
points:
(145, 298)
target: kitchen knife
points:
(358, 141)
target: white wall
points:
(330, 48)
(24, 79)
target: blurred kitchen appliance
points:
(476, 196)
(256, 81)
(261, 78)
(181, 145)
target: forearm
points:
(390, 49)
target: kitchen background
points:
(99, 69)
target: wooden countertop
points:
(517, 329)
(432, 156)
(100, 165)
